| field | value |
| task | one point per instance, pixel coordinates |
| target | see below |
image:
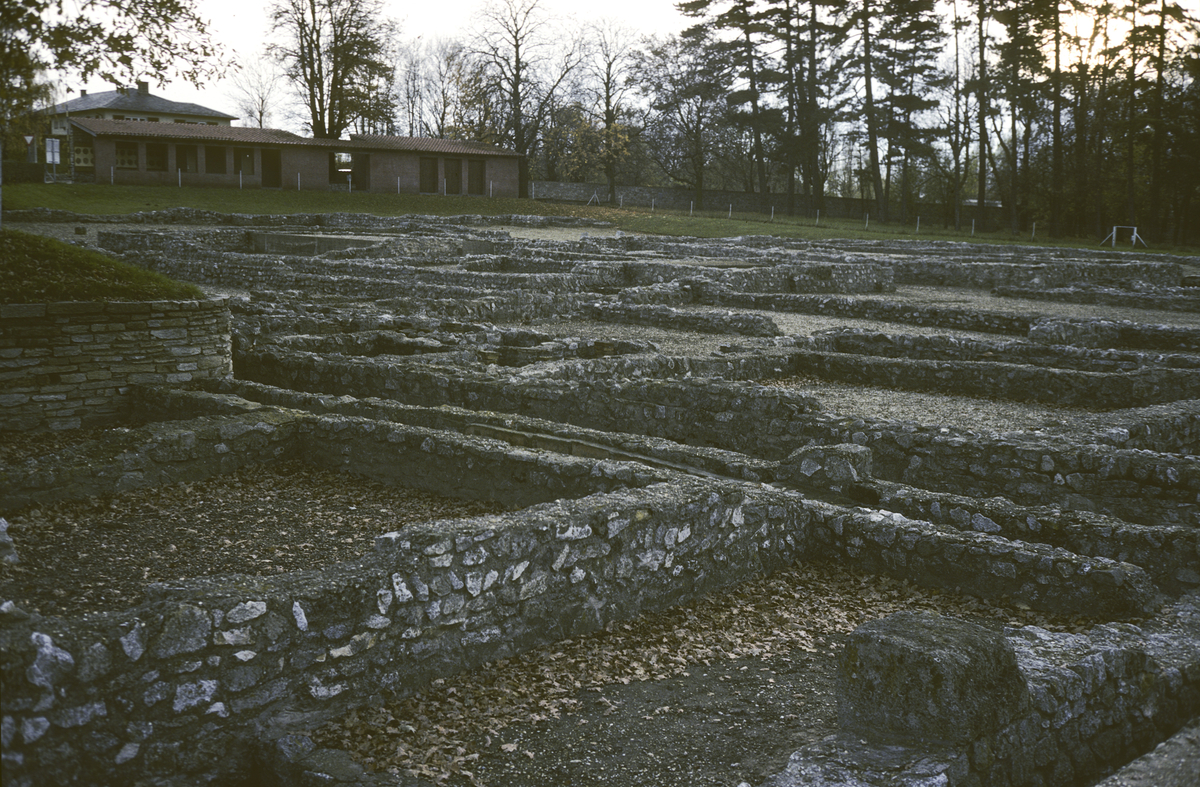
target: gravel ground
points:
(963, 412)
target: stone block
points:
(831, 466)
(926, 676)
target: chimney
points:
(82, 93)
(144, 88)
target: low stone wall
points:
(201, 447)
(768, 423)
(1115, 333)
(1080, 705)
(191, 681)
(955, 348)
(69, 365)
(1183, 299)
(986, 275)
(700, 320)
(1169, 554)
(765, 275)
(184, 683)
(1014, 382)
(874, 309)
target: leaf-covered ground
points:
(100, 553)
(715, 693)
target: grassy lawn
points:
(34, 269)
(102, 199)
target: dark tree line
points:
(1074, 115)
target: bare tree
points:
(685, 80)
(528, 63)
(257, 90)
(458, 101)
(608, 76)
(330, 49)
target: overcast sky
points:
(241, 27)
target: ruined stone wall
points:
(184, 683)
(181, 684)
(1011, 381)
(1169, 553)
(956, 273)
(1026, 707)
(772, 275)
(198, 448)
(955, 348)
(770, 423)
(68, 365)
(874, 309)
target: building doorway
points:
(272, 170)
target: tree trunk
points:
(1056, 187)
(1156, 122)
(982, 93)
(872, 120)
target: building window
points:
(85, 156)
(185, 158)
(429, 176)
(152, 120)
(341, 166)
(243, 159)
(475, 177)
(156, 157)
(453, 175)
(126, 155)
(214, 160)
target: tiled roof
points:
(204, 133)
(132, 100)
(427, 145)
(274, 136)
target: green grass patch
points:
(34, 269)
(119, 200)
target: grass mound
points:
(34, 269)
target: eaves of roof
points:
(199, 132)
(272, 136)
(429, 145)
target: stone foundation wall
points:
(986, 275)
(954, 348)
(69, 365)
(1014, 382)
(874, 309)
(192, 680)
(1085, 703)
(769, 423)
